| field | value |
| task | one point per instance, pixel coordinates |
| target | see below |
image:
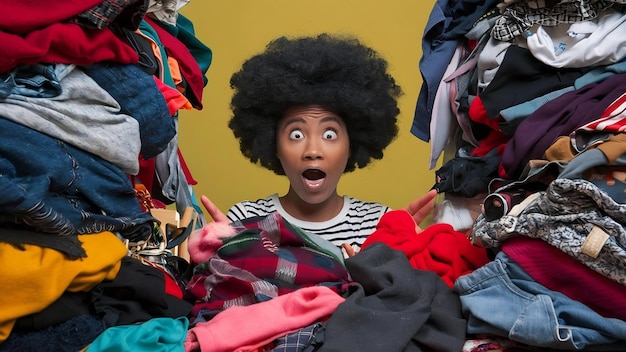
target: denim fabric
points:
(53, 187)
(38, 80)
(500, 298)
(139, 97)
(85, 116)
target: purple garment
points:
(558, 117)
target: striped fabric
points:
(612, 120)
(352, 225)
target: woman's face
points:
(313, 148)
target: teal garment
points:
(154, 335)
(184, 31)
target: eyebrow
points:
(324, 119)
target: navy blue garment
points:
(436, 55)
(70, 336)
(38, 80)
(50, 186)
(140, 98)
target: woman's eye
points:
(296, 134)
(330, 134)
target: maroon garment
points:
(560, 272)
(558, 117)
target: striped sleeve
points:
(247, 209)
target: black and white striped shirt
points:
(356, 220)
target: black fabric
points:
(467, 176)
(521, 77)
(394, 307)
(136, 295)
(66, 244)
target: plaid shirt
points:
(520, 16)
(268, 257)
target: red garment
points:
(66, 43)
(175, 100)
(478, 113)
(438, 248)
(496, 139)
(21, 17)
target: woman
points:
(312, 109)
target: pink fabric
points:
(245, 328)
(559, 272)
(204, 242)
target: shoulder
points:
(247, 209)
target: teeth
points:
(314, 183)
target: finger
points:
(349, 250)
(421, 207)
(213, 210)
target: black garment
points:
(467, 176)
(137, 294)
(394, 307)
(521, 77)
(66, 244)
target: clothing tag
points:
(594, 242)
(518, 208)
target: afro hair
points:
(339, 73)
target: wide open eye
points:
(330, 134)
(296, 134)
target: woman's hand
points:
(422, 207)
(213, 210)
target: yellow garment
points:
(32, 279)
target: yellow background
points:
(237, 29)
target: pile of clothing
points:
(531, 96)
(89, 99)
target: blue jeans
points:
(501, 299)
(51, 186)
(139, 97)
(38, 80)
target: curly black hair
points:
(336, 72)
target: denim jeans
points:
(38, 80)
(500, 298)
(51, 186)
(139, 97)
(83, 115)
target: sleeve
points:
(237, 212)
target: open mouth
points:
(313, 174)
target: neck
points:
(304, 211)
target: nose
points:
(313, 150)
